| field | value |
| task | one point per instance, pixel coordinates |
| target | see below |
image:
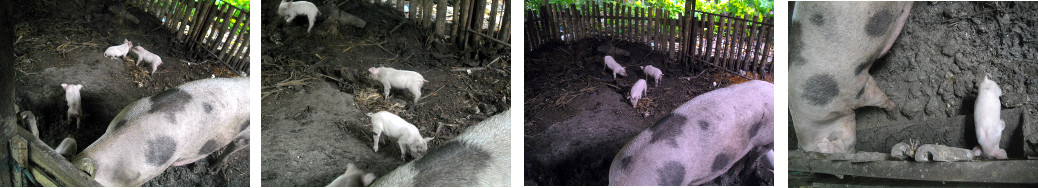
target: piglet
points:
(74, 102)
(148, 57)
(637, 91)
(612, 65)
(653, 72)
(406, 135)
(67, 148)
(989, 125)
(354, 177)
(120, 50)
(392, 78)
(292, 9)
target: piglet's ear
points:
(427, 139)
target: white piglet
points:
(616, 67)
(637, 91)
(73, 99)
(392, 78)
(405, 134)
(292, 9)
(989, 125)
(353, 177)
(653, 72)
(120, 50)
(148, 57)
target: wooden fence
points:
(724, 41)
(468, 23)
(218, 30)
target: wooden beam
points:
(995, 171)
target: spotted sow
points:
(701, 140)
(832, 45)
(175, 127)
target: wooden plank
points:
(441, 14)
(492, 26)
(236, 31)
(478, 16)
(43, 156)
(1008, 171)
(427, 13)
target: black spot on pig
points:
(450, 165)
(119, 125)
(208, 108)
(817, 19)
(243, 126)
(819, 90)
(626, 161)
(172, 100)
(757, 125)
(208, 147)
(668, 129)
(160, 150)
(704, 125)
(796, 45)
(720, 162)
(879, 23)
(672, 173)
(860, 92)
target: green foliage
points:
(738, 8)
(241, 4)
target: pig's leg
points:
(241, 142)
(377, 134)
(385, 89)
(417, 91)
(872, 96)
(312, 18)
(403, 149)
(290, 17)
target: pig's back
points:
(701, 139)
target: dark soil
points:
(933, 69)
(65, 44)
(577, 117)
(316, 91)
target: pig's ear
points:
(64, 86)
(427, 139)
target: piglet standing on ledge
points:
(989, 124)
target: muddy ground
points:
(577, 117)
(317, 89)
(58, 44)
(943, 52)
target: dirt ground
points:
(316, 91)
(577, 117)
(943, 52)
(57, 44)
